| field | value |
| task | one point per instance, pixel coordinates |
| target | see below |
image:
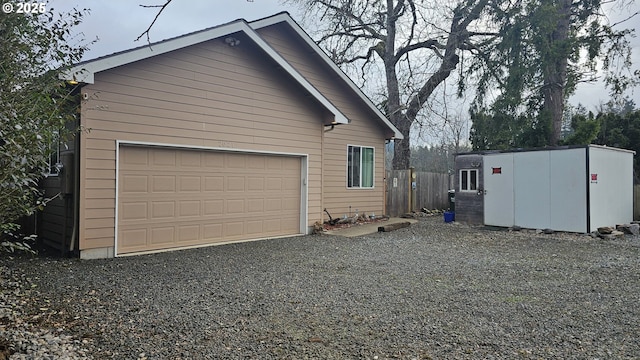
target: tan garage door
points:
(170, 198)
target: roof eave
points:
(286, 18)
(85, 72)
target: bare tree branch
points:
(162, 7)
(352, 16)
(427, 44)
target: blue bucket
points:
(449, 216)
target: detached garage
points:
(575, 188)
(239, 132)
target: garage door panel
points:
(162, 235)
(291, 204)
(163, 183)
(274, 183)
(291, 184)
(274, 164)
(163, 210)
(235, 183)
(273, 205)
(189, 208)
(190, 183)
(134, 238)
(234, 206)
(134, 183)
(213, 161)
(214, 183)
(176, 198)
(233, 228)
(255, 205)
(212, 231)
(189, 233)
(287, 223)
(190, 159)
(255, 227)
(272, 225)
(135, 158)
(239, 161)
(256, 163)
(255, 184)
(213, 207)
(162, 158)
(134, 211)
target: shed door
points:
(498, 186)
(171, 198)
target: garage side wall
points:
(208, 95)
(363, 130)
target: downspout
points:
(322, 172)
(332, 127)
(76, 184)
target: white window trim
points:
(468, 171)
(373, 169)
(56, 154)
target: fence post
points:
(412, 188)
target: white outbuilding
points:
(572, 188)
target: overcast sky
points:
(117, 23)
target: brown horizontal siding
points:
(208, 95)
(227, 133)
(100, 184)
(100, 213)
(99, 154)
(51, 218)
(362, 131)
(100, 174)
(202, 103)
(102, 144)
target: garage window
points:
(360, 160)
(468, 180)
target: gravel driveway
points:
(430, 291)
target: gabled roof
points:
(284, 17)
(84, 72)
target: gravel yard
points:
(430, 291)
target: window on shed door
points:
(360, 160)
(468, 180)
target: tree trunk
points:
(555, 73)
(401, 148)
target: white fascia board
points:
(285, 17)
(339, 117)
(84, 71)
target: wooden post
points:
(412, 188)
(394, 226)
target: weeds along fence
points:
(408, 190)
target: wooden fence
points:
(406, 193)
